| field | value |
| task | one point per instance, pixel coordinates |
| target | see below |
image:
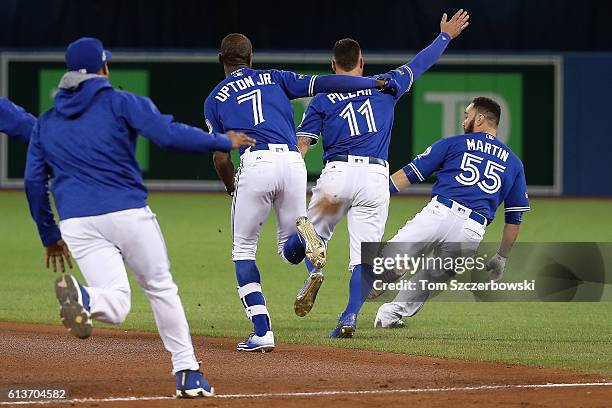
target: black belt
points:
(479, 218)
(264, 146)
(345, 158)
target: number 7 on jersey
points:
(255, 98)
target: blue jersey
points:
(476, 170)
(359, 123)
(15, 121)
(356, 123)
(258, 103)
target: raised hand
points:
(457, 23)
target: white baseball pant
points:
(266, 179)
(357, 189)
(101, 244)
(441, 231)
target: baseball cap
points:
(86, 55)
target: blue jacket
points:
(87, 145)
(15, 121)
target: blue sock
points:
(247, 272)
(294, 250)
(85, 297)
(360, 285)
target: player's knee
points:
(292, 251)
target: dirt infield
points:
(118, 364)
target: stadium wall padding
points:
(587, 147)
(518, 25)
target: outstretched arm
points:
(301, 86)
(448, 30)
(423, 166)
(406, 74)
(163, 130)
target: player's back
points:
(256, 102)
(91, 152)
(478, 171)
(355, 123)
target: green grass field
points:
(575, 336)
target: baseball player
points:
(15, 121)
(475, 172)
(272, 173)
(86, 144)
(356, 129)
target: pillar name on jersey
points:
(242, 84)
(488, 148)
(338, 97)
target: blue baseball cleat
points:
(258, 343)
(74, 306)
(192, 384)
(345, 328)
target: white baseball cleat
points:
(262, 344)
(316, 251)
(388, 317)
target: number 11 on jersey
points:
(365, 109)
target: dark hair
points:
(489, 108)
(346, 53)
(236, 50)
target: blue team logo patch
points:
(301, 76)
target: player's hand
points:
(456, 25)
(496, 266)
(387, 85)
(240, 139)
(55, 253)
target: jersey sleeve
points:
(36, 182)
(211, 118)
(428, 162)
(143, 116)
(517, 200)
(295, 85)
(403, 76)
(312, 122)
(15, 121)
